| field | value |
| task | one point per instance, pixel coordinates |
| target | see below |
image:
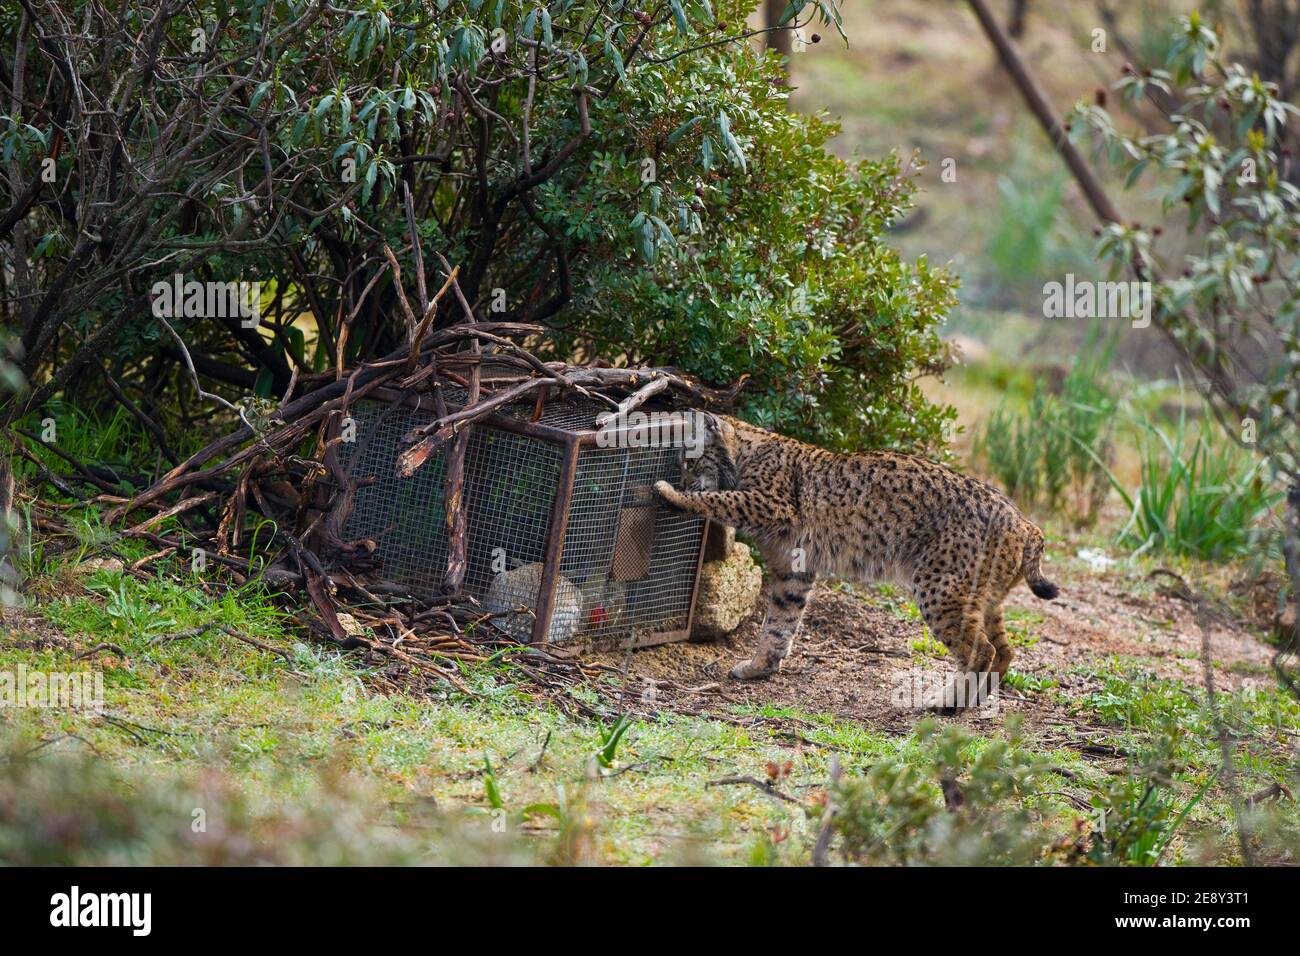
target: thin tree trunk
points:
(779, 40)
(1038, 104)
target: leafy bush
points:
(963, 808)
(1056, 453)
(1137, 816)
(969, 806)
(634, 182)
(1224, 285)
(1176, 736)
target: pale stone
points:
(728, 591)
(351, 625)
(91, 565)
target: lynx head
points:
(711, 454)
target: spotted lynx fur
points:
(953, 542)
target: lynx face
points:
(714, 467)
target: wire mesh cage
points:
(565, 541)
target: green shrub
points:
(782, 271)
(1137, 814)
(699, 222)
(961, 805)
(61, 807)
(1223, 275)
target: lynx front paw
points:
(669, 494)
(755, 669)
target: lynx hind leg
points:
(787, 598)
(995, 630)
(958, 624)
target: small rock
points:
(351, 625)
(728, 591)
(511, 590)
(91, 565)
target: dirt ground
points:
(854, 650)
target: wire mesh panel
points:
(510, 485)
(627, 567)
(635, 563)
(571, 415)
(404, 517)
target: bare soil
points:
(854, 649)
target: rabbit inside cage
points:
(564, 541)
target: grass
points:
(927, 646)
(306, 761)
(1258, 717)
(893, 599)
(1168, 728)
(112, 439)
(180, 710)
(1018, 623)
(1056, 453)
(1258, 722)
(1199, 496)
(1029, 683)
(134, 613)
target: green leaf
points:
(732, 144)
(679, 16)
(682, 130)
(611, 51)
(490, 788)
(264, 384)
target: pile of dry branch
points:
(282, 465)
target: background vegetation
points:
(631, 180)
(772, 240)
